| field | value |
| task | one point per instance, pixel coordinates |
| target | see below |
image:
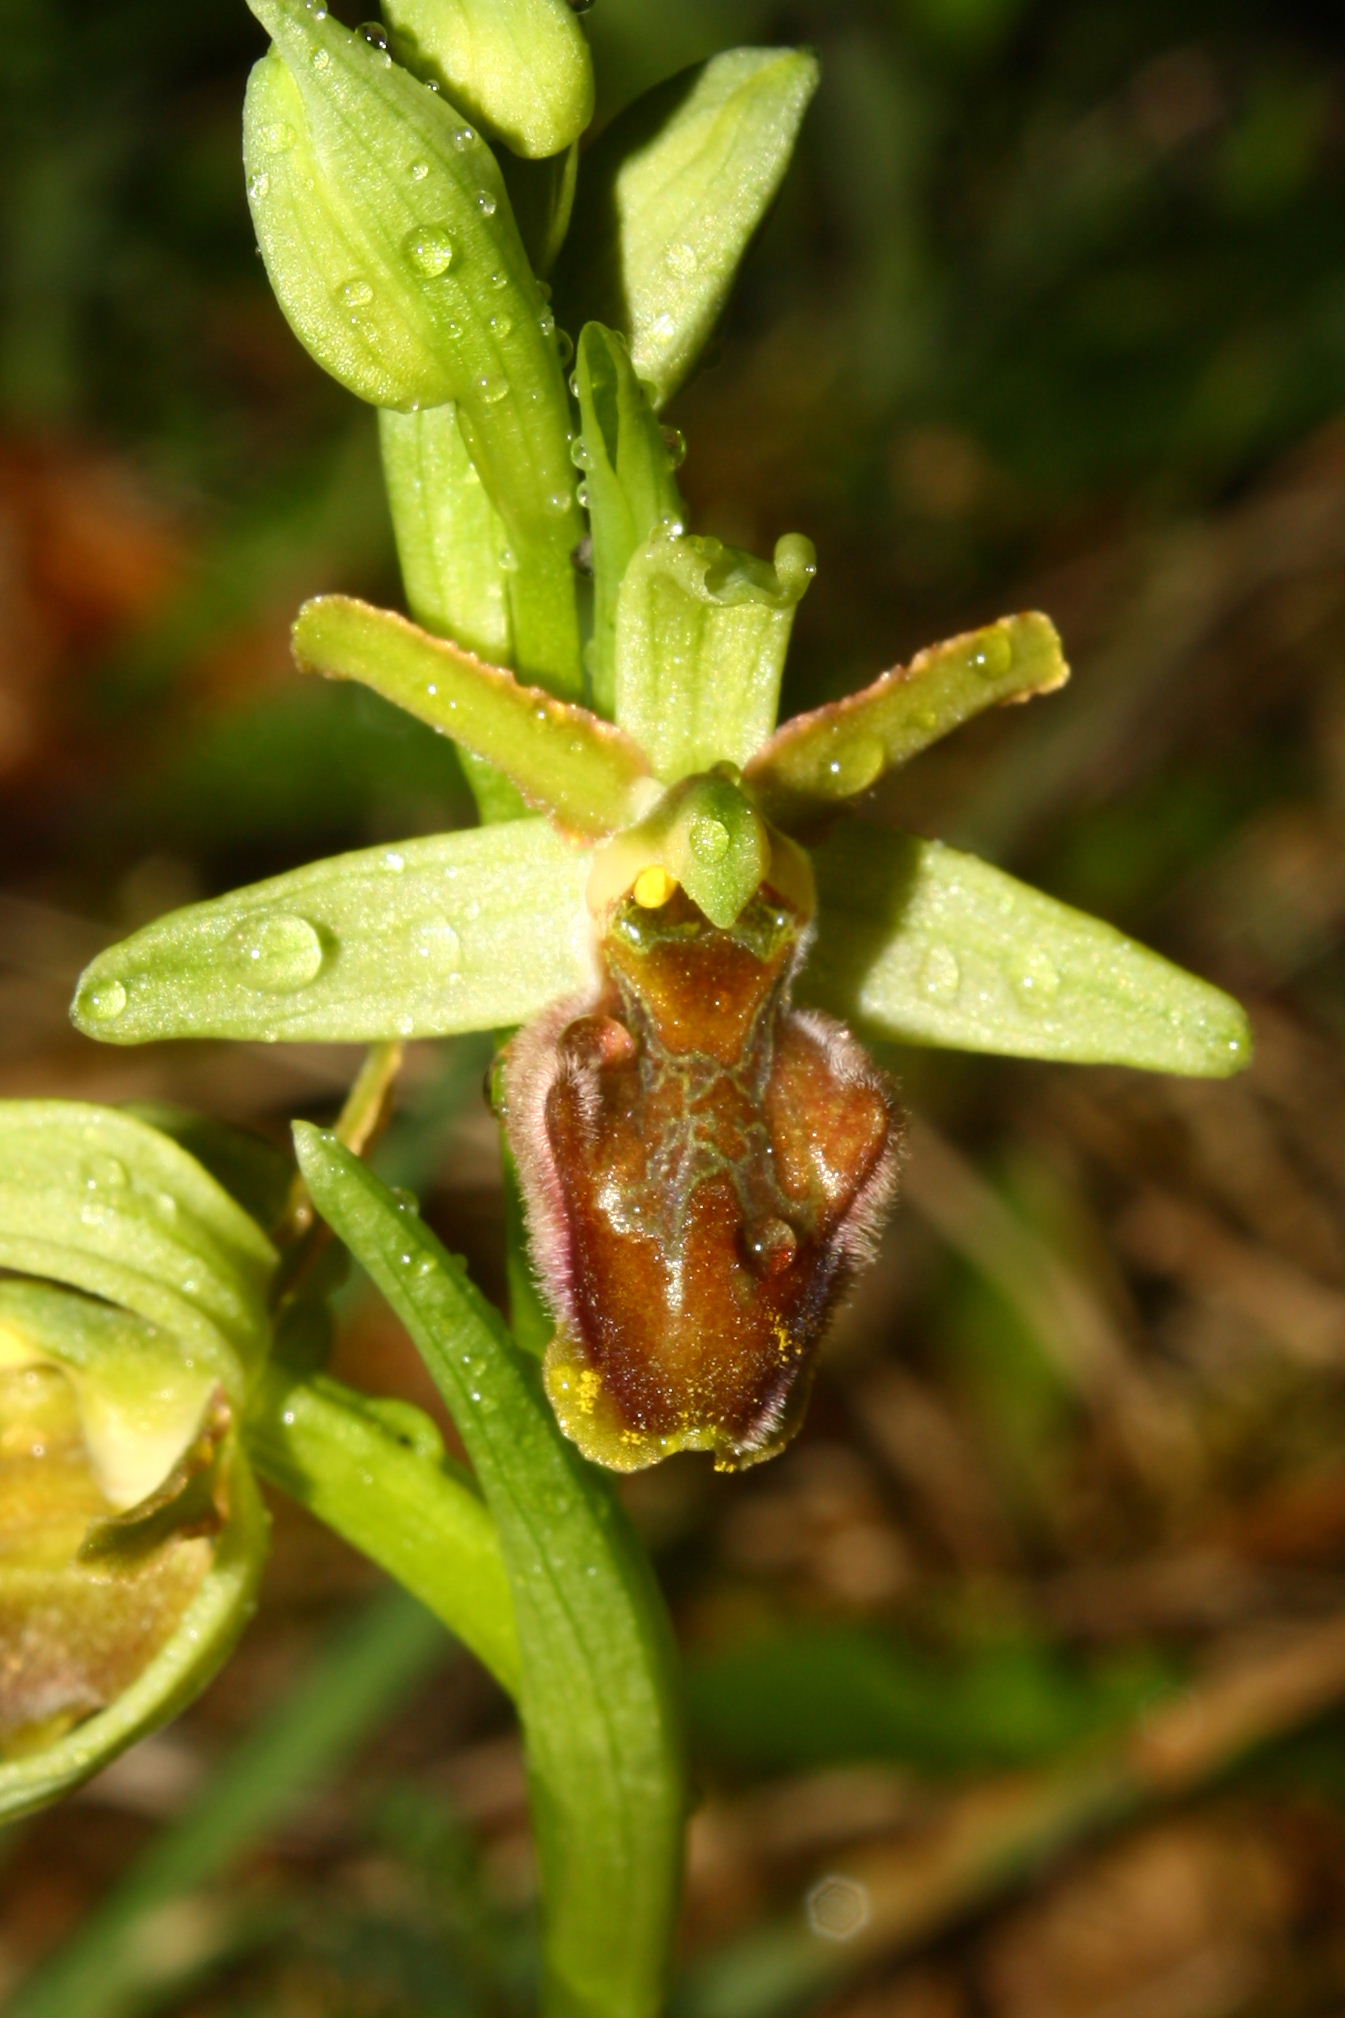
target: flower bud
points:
(520, 69)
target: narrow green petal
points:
(595, 1693)
(204, 1638)
(628, 473)
(449, 535)
(415, 1514)
(565, 761)
(520, 68)
(93, 1198)
(670, 197)
(701, 636)
(388, 238)
(476, 930)
(832, 754)
(925, 945)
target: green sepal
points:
(387, 234)
(582, 772)
(628, 473)
(596, 1692)
(671, 195)
(922, 944)
(701, 635)
(520, 69)
(96, 1199)
(202, 1639)
(820, 759)
(141, 1400)
(449, 535)
(476, 930)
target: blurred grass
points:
(1046, 316)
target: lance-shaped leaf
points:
(141, 1396)
(595, 1692)
(449, 534)
(925, 945)
(134, 1651)
(833, 753)
(520, 68)
(670, 197)
(476, 930)
(565, 761)
(701, 635)
(388, 238)
(94, 1198)
(628, 474)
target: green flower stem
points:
(410, 1510)
(596, 1693)
(581, 771)
(110, 1965)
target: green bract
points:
(131, 1533)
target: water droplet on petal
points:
(493, 390)
(281, 953)
(419, 170)
(438, 942)
(581, 455)
(771, 1245)
(501, 326)
(709, 839)
(258, 185)
(322, 59)
(463, 138)
(992, 656)
(676, 444)
(278, 138)
(394, 861)
(486, 203)
(429, 250)
(374, 32)
(856, 765)
(940, 975)
(105, 1173)
(682, 259)
(1036, 978)
(101, 1001)
(356, 293)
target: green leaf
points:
(388, 238)
(141, 1396)
(201, 1642)
(820, 759)
(412, 1511)
(566, 762)
(476, 930)
(93, 1198)
(520, 68)
(671, 195)
(595, 1694)
(925, 945)
(701, 636)
(449, 534)
(628, 471)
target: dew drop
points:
(1035, 977)
(564, 347)
(394, 861)
(682, 259)
(405, 1025)
(419, 170)
(463, 138)
(771, 1245)
(278, 138)
(855, 766)
(486, 203)
(493, 390)
(105, 1173)
(258, 185)
(663, 327)
(507, 561)
(322, 59)
(581, 496)
(581, 455)
(282, 952)
(436, 941)
(709, 839)
(499, 278)
(501, 326)
(406, 1201)
(940, 976)
(676, 444)
(356, 293)
(101, 1001)
(993, 655)
(374, 33)
(429, 249)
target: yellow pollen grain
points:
(784, 1343)
(589, 1385)
(653, 887)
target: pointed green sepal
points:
(476, 930)
(628, 474)
(834, 753)
(520, 69)
(701, 636)
(388, 238)
(670, 197)
(94, 1198)
(924, 945)
(581, 771)
(449, 535)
